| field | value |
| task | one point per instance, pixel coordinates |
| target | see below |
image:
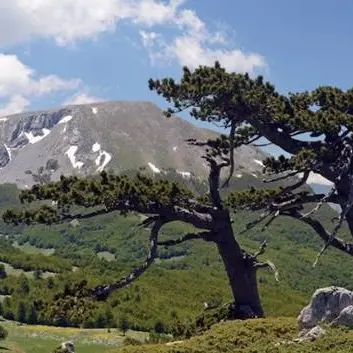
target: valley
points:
(176, 273)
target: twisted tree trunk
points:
(241, 273)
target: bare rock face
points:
(333, 305)
(345, 317)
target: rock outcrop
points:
(333, 305)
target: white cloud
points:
(188, 40)
(191, 52)
(16, 104)
(81, 98)
(18, 83)
(152, 12)
(196, 45)
(155, 44)
(68, 21)
(17, 78)
(51, 83)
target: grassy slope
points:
(256, 336)
(43, 339)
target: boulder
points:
(66, 347)
(345, 317)
(331, 304)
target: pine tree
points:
(32, 315)
(3, 333)
(3, 273)
(24, 286)
(123, 325)
(249, 109)
(21, 312)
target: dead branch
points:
(282, 177)
(261, 250)
(336, 242)
(270, 265)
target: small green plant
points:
(130, 341)
(123, 325)
(3, 333)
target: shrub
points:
(3, 333)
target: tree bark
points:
(241, 273)
(343, 189)
(349, 219)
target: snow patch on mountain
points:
(34, 139)
(239, 176)
(102, 160)
(71, 154)
(96, 147)
(175, 148)
(154, 168)
(184, 174)
(259, 162)
(3, 119)
(94, 110)
(65, 119)
(8, 150)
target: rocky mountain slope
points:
(119, 136)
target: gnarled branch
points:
(189, 236)
(261, 250)
(336, 242)
(231, 153)
(213, 181)
(282, 177)
(280, 138)
(270, 265)
(103, 291)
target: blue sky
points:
(64, 51)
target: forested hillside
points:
(42, 263)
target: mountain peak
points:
(118, 135)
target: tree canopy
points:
(313, 128)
